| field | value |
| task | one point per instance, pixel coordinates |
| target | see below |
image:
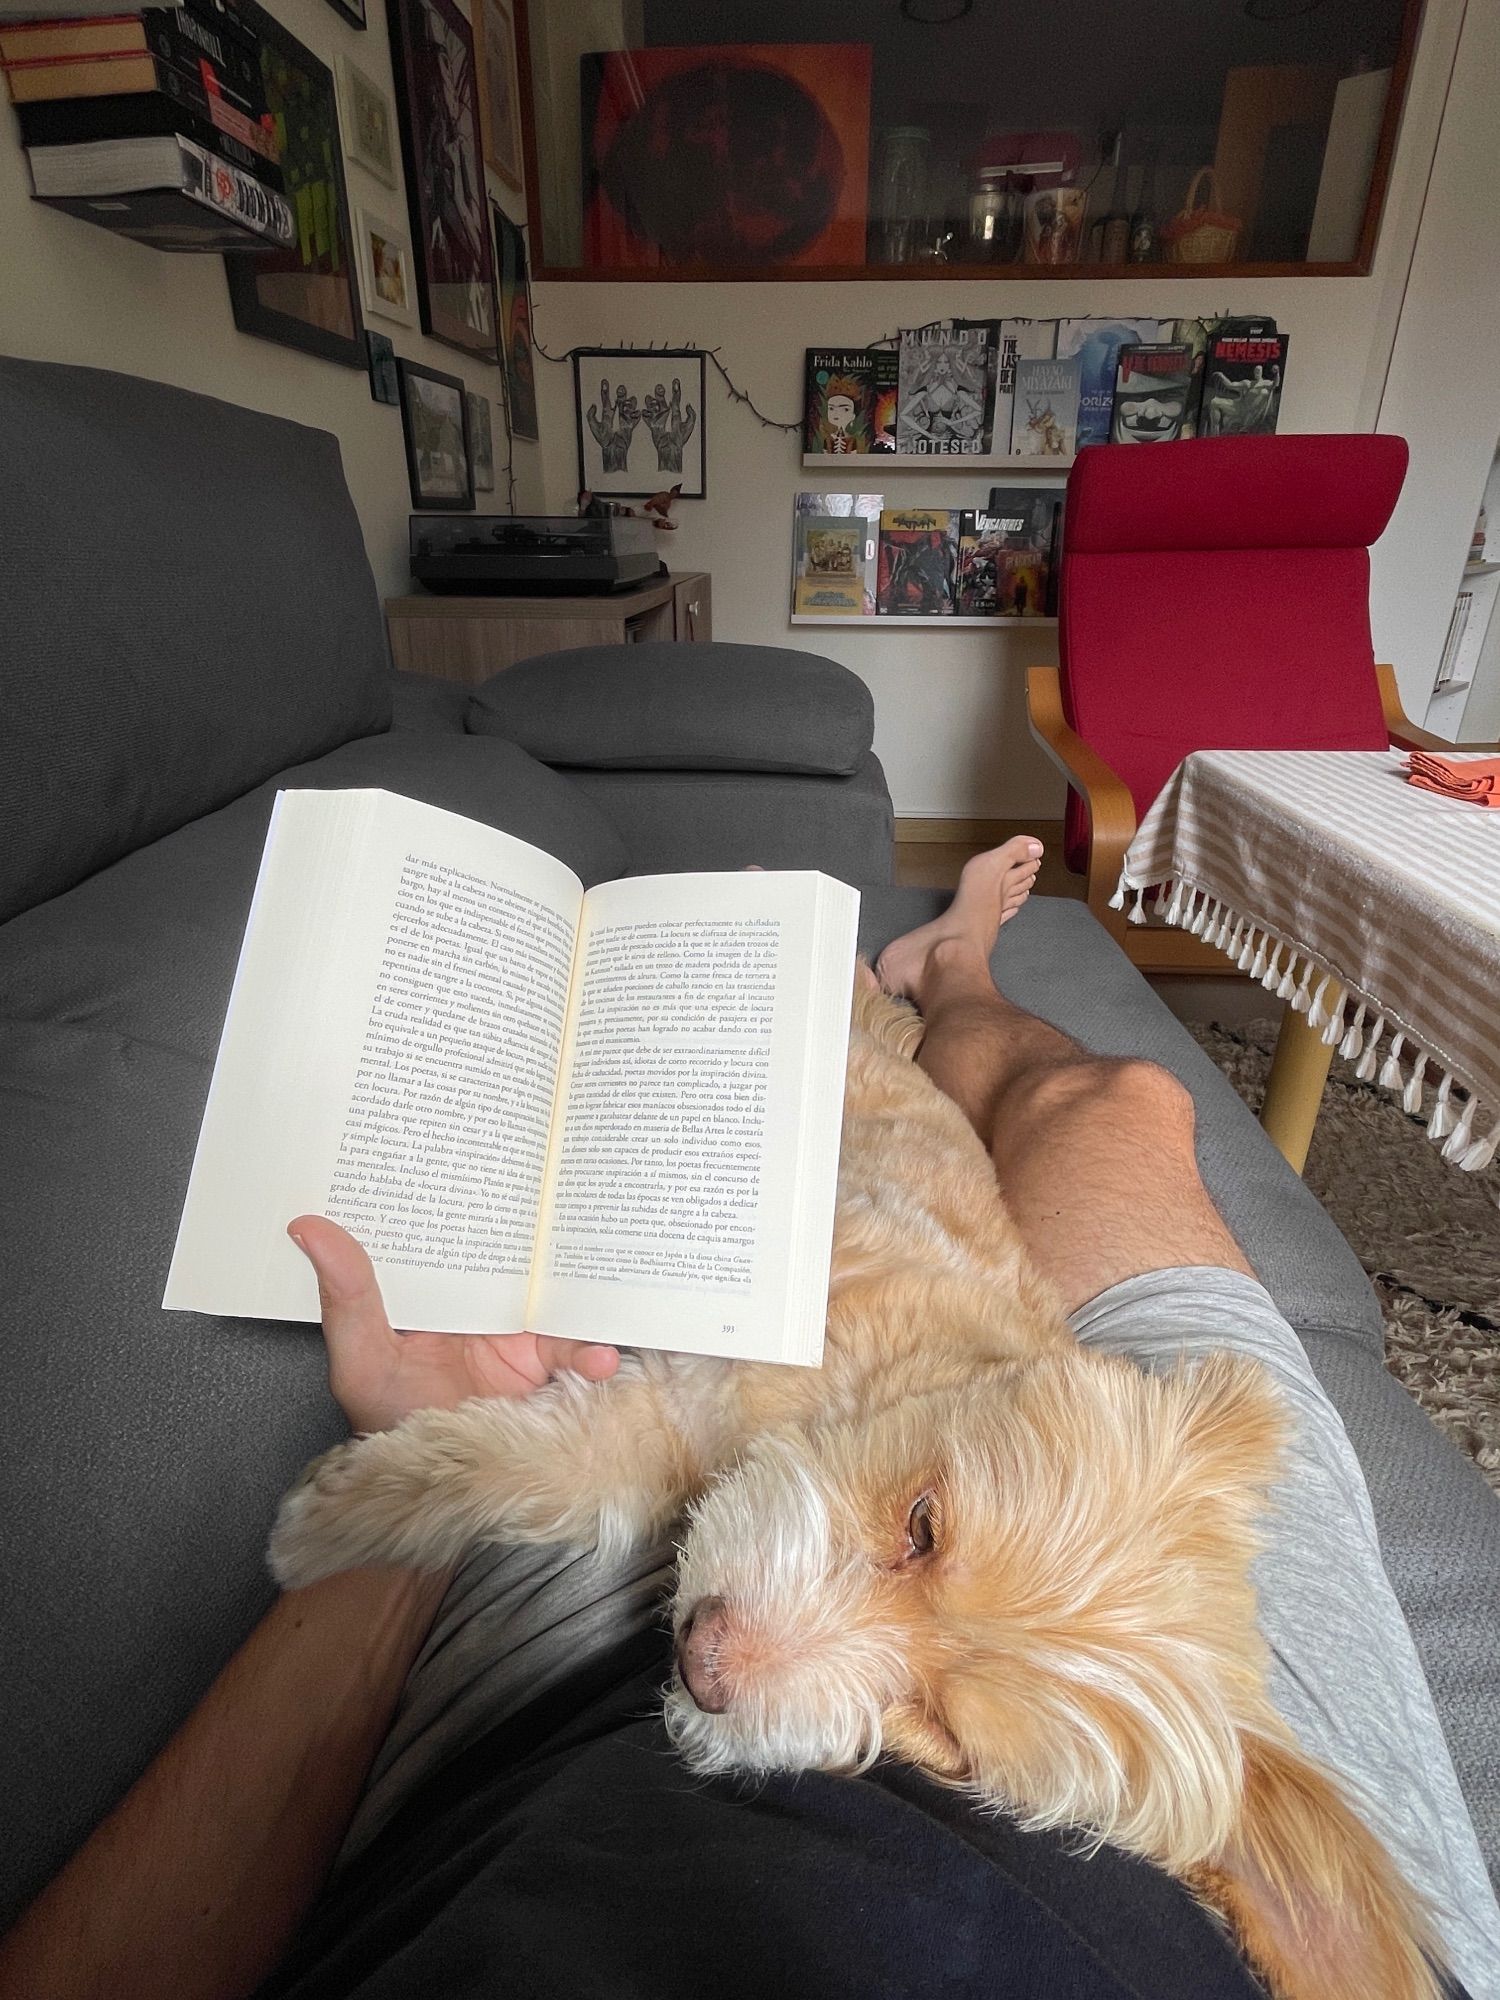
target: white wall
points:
(950, 708)
(1442, 391)
(72, 292)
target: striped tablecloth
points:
(1365, 903)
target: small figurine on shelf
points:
(656, 510)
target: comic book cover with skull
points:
(944, 390)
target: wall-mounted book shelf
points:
(935, 461)
(893, 622)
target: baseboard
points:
(976, 832)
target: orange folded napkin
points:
(1477, 779)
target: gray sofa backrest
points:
(185, 607)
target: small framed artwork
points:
(517, 359)
(369, 122)
(499, 91)
(353, 11)
(481, 443)
(384, 388)
(640, 421)
(435, 419)
(437, 108)
(385, 268)
(305, 297)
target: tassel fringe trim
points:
(1296, 977)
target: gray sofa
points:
(174, 655)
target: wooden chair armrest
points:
(1111, 809)
(1404, 733)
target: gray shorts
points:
(1345, 1672)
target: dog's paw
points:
(317, 1531)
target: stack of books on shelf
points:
(853, 557)
(153, 124)
(1042, 388)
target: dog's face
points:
(1036, 1585)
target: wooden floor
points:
(925, 863)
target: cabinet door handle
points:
(694, 608)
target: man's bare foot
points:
(991, 889)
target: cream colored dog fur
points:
(964, 1541)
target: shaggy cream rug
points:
(1428, 1235)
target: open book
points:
(611, 1116)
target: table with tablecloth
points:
(1371, 907)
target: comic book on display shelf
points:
(991, 329)
(1046, 419)
(1244, 372)
(941, 389)
(829, 566)
(839, 401)
(1154, 383)
(887, 366)
(918, 560)
(1195, 335)
(1027, 519)
(1096, 343)
(1020, 340)
(535, 1106)
(981, 542)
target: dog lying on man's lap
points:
(964, 1541)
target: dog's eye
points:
(921, 1529)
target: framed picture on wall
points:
(517, 358)
(386, 274)
(369, 122)
(305, 297)
(640, 421)
(352, 10)
(499, 89)
(435, 420)
(437, 105)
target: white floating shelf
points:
(890, 623)
(933, 461)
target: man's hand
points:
(379, 1376)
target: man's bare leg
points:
(1094, 1154)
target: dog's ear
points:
(1109, 1649)
(1234, 1429)
(1312, 1895)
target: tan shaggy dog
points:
(964, 1540)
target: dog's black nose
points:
(699, 1638)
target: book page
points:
(390, 1060)
(690, 1192)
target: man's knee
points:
(1120, 1092)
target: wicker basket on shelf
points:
(1202, 235)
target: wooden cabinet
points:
(469, 638)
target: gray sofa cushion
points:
(691, 707)
(163, 654)
(675, 820)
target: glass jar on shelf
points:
(997, 216)
(901, 194)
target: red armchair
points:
(1213, 595)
